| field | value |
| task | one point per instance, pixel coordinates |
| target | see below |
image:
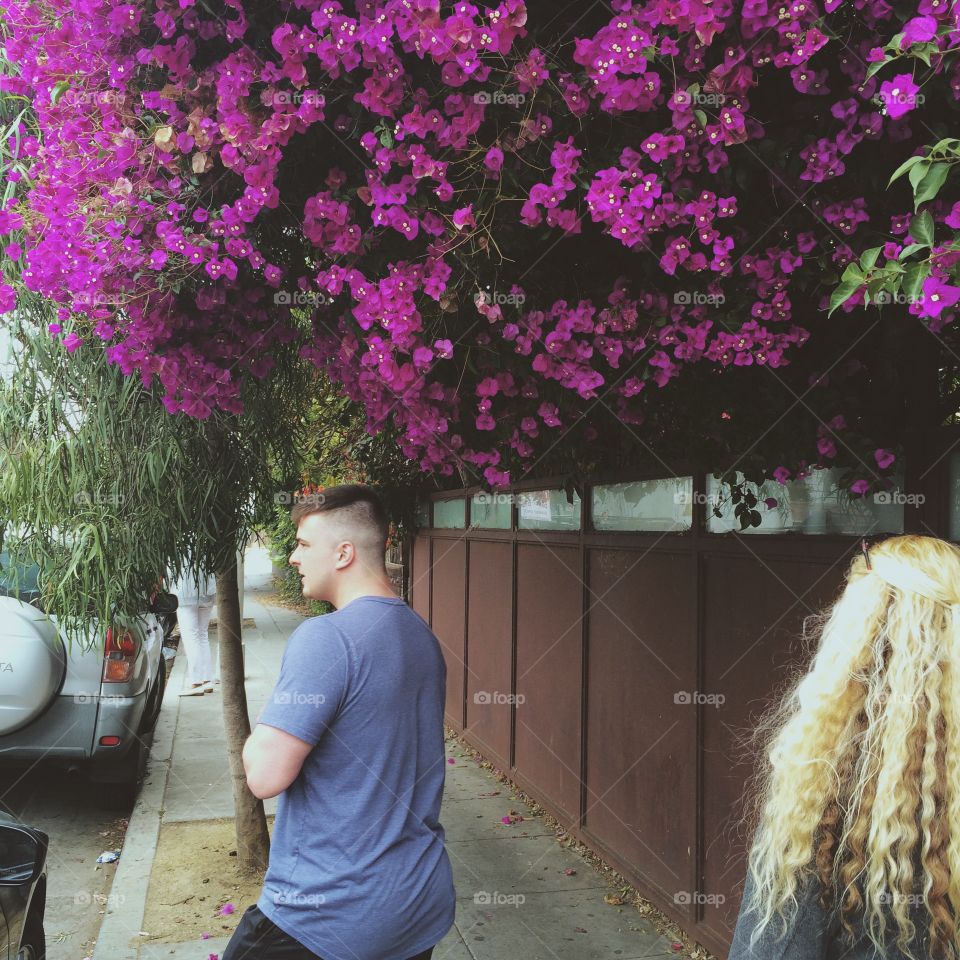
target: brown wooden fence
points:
(611, 676)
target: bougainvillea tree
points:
(519, 229)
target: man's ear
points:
(346, 552)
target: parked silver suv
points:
(91, 705)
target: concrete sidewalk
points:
(519, 893)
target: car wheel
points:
(34, 943)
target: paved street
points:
(71, 810)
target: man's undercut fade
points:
(358, 514)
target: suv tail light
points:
(119, 656)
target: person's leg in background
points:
(194, 620)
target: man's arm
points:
(272, 760)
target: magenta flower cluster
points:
(164, 177)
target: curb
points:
(123, 920)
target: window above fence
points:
(656, 505)
(547, 510)
(491, 511)
(814, 505)
(423, 513)
(450, 514)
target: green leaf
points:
(874, 67)
(917, 173)
(931, 184)
(946, 144)
(869, 257)
(904, 167)
(922, 51)
(853, 272)
(701, 117)
(843, 293)
(914, 277)
(911, 248)
(59, 90)
(921, 228)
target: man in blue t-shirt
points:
(352, 742)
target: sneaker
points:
(196, 691)
(208, 686)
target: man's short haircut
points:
(359, 513)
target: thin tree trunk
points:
(253, 840)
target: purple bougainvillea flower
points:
(883, 457)
(899, 95)
(464, 217)
(781, 475)
(71, 341)
(918, 30)
(8, 298)
(227, 909)
(937, 296)
(493, 160)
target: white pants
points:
(194, 620)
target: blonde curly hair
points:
(860, 782)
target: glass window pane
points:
(815, 504)
(955, 496)
(423, 513)
(665, 504)
(449, 513)
(491, 511)
(548, 510)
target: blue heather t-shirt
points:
(358, 868)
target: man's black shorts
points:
(257, 937)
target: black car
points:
(23, 890)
